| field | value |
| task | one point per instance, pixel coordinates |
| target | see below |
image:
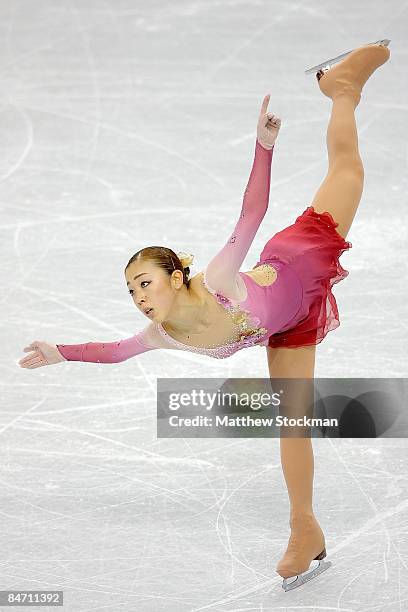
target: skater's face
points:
(151, 287)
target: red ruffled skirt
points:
(312, 247)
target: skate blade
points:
(385, 42)
(316, 568)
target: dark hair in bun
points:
(166, 259)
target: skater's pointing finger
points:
(265, 103)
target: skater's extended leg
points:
(340, 193)
(307, 539)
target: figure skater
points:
(284, 303)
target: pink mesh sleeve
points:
(107, 352)
(222, 270)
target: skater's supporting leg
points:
(340, 193)
(307, 539)
(296, 453)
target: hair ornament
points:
(185, 258)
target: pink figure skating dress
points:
(297, 309)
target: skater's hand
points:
(42, 354)
(268, 126)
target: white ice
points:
(127, 124)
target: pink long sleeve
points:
(222, 270)
(106, 352)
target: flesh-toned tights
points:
(339, 194)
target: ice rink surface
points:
(128, 124)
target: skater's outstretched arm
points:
(43, 353)
(106, 352)
(222, 270)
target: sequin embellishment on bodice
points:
(248, 327)
(250, 331)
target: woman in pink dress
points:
(285, 303)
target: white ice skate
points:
(328, 63)
(316, 567)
